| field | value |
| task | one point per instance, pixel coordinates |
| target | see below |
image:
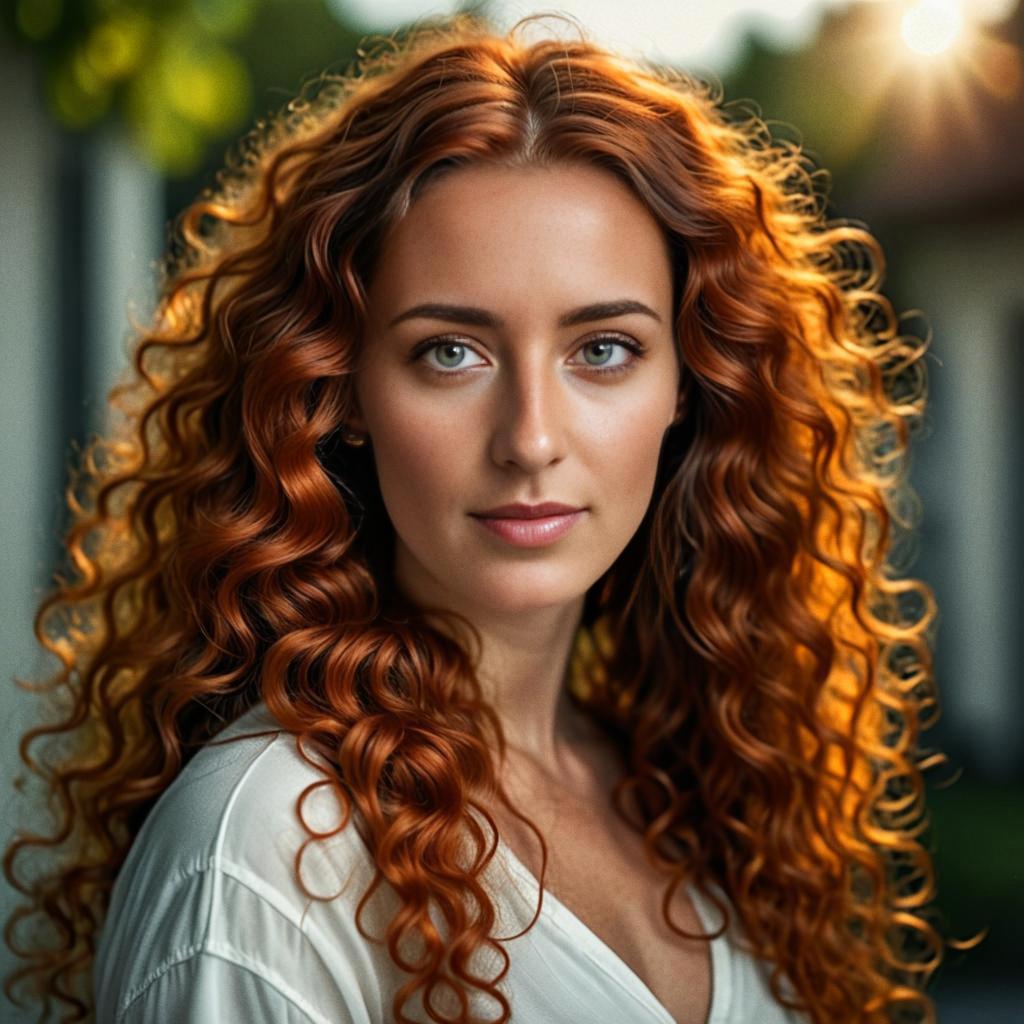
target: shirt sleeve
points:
(215, 986)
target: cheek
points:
(626, 449)
(418, 460)
(638, 470)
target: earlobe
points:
(352, 438)
(683, 395)
(353, 428)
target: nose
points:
(531, 414)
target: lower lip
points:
(531, 533)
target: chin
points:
(522, 589)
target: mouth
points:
(520, 510)
(530, 531)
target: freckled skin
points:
(529, 416)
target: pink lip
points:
(531, 532)
(519, 510)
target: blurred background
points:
(117, 112)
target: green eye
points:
(606, 354)
(447, 355)
(603, 350)
(450, 354)
(610, 354)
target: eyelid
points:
(436, 342)
(637, 348)
(629, 343)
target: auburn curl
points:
(753, 650)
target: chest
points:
(598, 869)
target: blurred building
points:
(947, 192)
(928, 151)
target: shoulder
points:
(235, 810)
(210, 899)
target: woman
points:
(508, 488)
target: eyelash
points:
(635, 347)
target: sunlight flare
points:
(932, 26)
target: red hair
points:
(753, 650)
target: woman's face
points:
(514, 386)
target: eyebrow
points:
(482, 318)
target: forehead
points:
(566, 231)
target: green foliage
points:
(977, 838)
(826, 96)
(181, 75)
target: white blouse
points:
(208, 924)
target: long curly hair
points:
(754, 650)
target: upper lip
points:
(520, 511)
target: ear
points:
(681, 410)
(354, 420)
(683, 395)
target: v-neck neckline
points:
(599, 951)
(613, 964)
